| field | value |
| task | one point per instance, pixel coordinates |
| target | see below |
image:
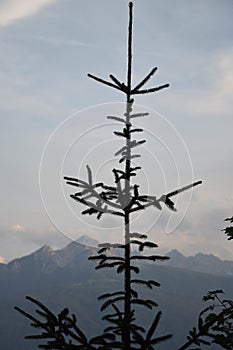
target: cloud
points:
(35, 237)
(12, 10)
(212, 96)
(2, 260)
(224, 68)
(217, 98)
(18, 241)
(17, 228)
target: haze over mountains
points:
(66, 277)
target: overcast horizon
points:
(49, 107)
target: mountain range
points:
(66, 278)
(49, 260)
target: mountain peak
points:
(46, 249)
(176, 258)
(175, 253)
(88, 241)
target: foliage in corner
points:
(215, 323)
(229, 229)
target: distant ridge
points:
(207, 263)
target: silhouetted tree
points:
(122, 199)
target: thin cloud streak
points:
(58, 41)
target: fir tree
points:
(122, 199)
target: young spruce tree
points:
(123, 198)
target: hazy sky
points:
(47, 48)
